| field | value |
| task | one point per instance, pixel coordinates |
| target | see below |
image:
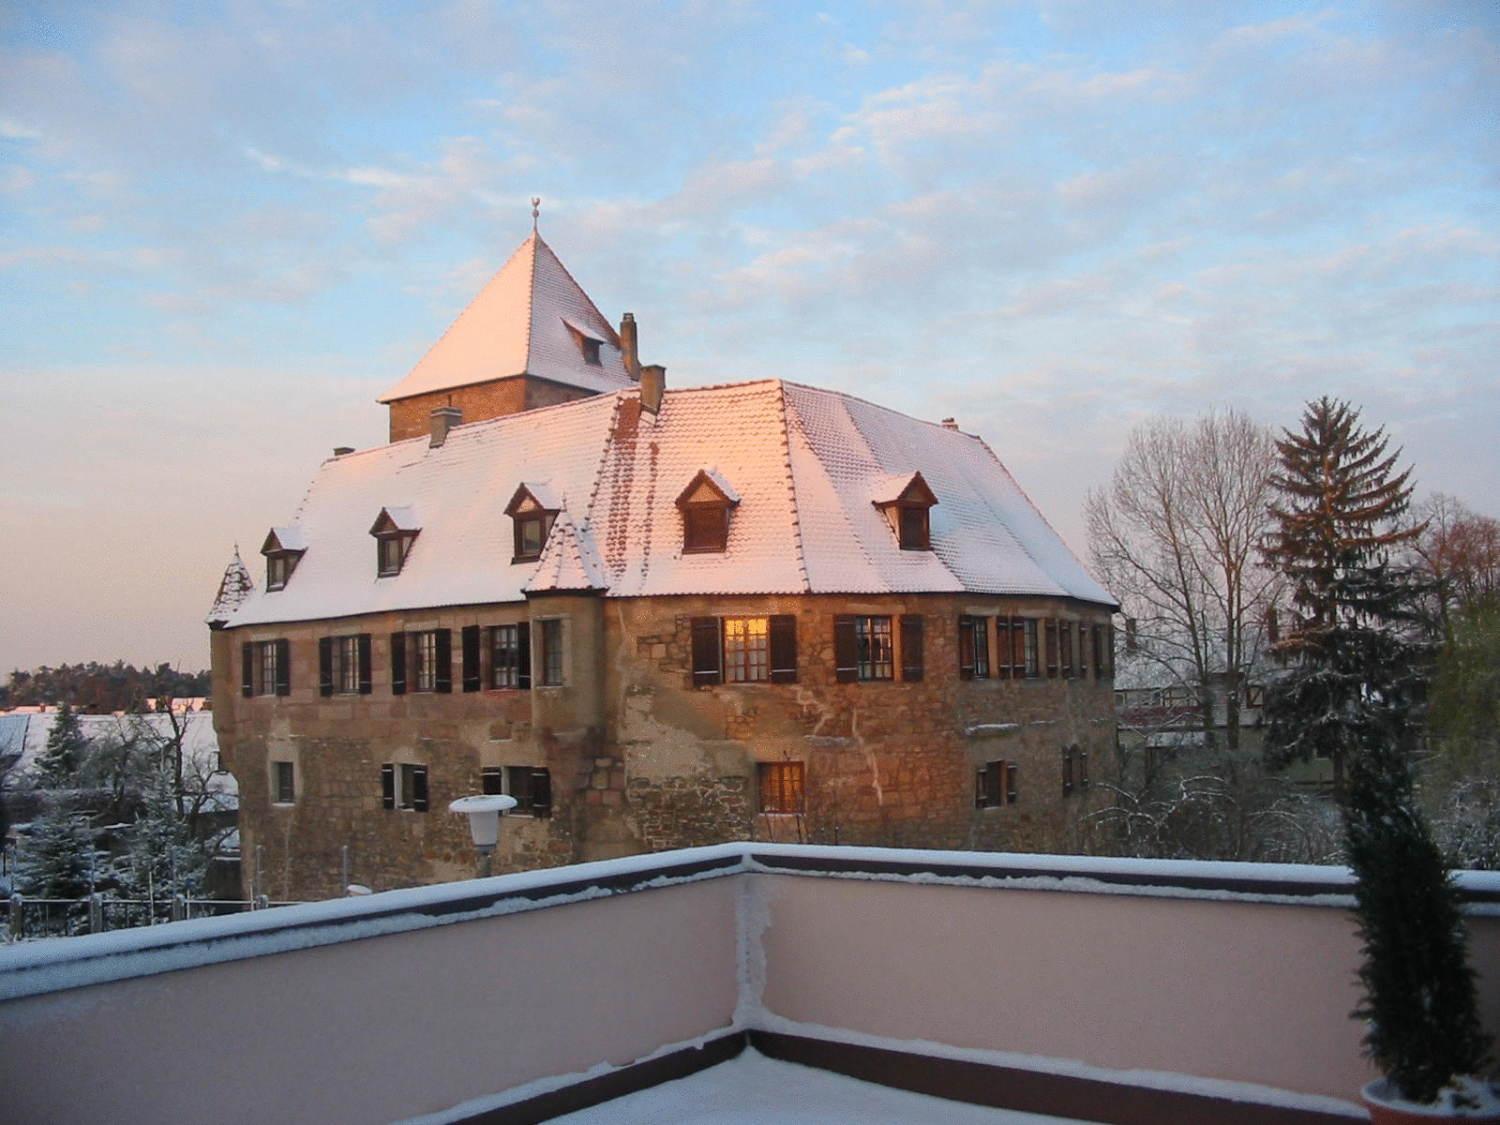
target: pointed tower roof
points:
(569, 562)
(234, 588)
(531, 318)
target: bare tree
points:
(1458, 552)
(1174, 536)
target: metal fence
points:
(34, 918)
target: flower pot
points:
(1387, 1109)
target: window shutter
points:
(965, 648)
(1054, 646)
(325, 665)
(523, 656)
(398, 663)
(1012, 789)
(247, 669)
(913, 659)
(707, 667)
(1003, 648)
(490, 783)
(541, 793)
(980, 798)
(1083, 769)
(419, 788)
(471, 657)
(994, 783)
(845, 650)
(283, 667)
(387, 786)
(784, 649)
(443, 680)
(364, 664)
(1067, 771)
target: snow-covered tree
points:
(165, 857)
(58, 765)
(1357, 668)
(57, 857)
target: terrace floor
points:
(752, 1089)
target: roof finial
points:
(536, 211)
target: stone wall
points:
(639, 758)
(412, 417)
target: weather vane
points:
(536, 210)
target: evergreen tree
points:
(58, 765)
(1355, 664)
(57, 857)
(165, 857)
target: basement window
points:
(995, 784)
(781, 787)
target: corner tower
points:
(530, 338)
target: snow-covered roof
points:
(570, 561)
(285, 539)
(522, 322)
(715, 480)
(888, 488)
(547, 498)
(200, 744)
(804, 464)
(234, 588)
(400, 517)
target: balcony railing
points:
(1051, 983)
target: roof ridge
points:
(462, 313)
(532, 240)
(614, 335)
(877, 406)
(791, 486)
(599, 466)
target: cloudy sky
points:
(225, 228)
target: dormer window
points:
(283, 549)
(588, 341)
(395, 529)
(706, 504)
(906, 501)
(532, 510)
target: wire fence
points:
(31, 919)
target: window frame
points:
(705, 528)
(997, 784)
(520, 782)
(391, 551)
(283, 782)
(553, 663)
(872, 632)
(265, 668)
(785, 784)
(973, 647)
(917, 537)
(517, 665)
(540, 519)
(739, 653)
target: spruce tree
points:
(58, 764)
(1349, 643)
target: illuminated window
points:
(747, 649)
(781, 788)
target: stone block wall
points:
(412, 417)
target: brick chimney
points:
(630, 347)
(950, 424)
(653, 386)
(341, 450)
(444, 418)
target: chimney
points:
(950, 424)
(444, 418)
(653, 385)
(630, 347)
(340, 450)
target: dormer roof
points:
(541, 493)
(283, 539)
(234, 588)
(527, 320)
(402, 520)
(900, 488)
(708, 485)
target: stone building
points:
(656, 617)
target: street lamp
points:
(484, 823)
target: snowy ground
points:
(754, 1090)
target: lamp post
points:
(484, 823)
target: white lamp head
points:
(484, 816)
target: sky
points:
(225, 228)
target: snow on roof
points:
(716, 479)
(546, 497)
(522, 322)
(200, 744)
(569, 561)
(12, 735)
(890, 487)
(402, 517)
(286, 539)
(234, 588)
(804, 463)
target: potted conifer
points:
(1353, 688)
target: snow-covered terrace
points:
(1089, 989)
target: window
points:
(1075, 769)
(510, 656)
(1255, 695)
(344, 665)
(265, 668)
(862, 648)
(1033, 656)
(973, 648)
(590, 350)
(744, 650)
(531, 535)
(552, 652)
(283, 547)
(279, 568)
(403, 786)
(996, 784)
(422, 662)
(284, 782)
(705, 505)
(531, 786)
(913, 528)
(395, 529)
(390, 554)
(780, 785)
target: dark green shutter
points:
(965, 648)
(784, 649)
(541, 793)
(523, 656)
(364, 664)
(707, 652)
(443, 680)
(283, 667)
(398, 663)
(913, 658)
(325, 665)
(247, 669)
(845, 650)
(471, 657)
(387, 786)
(419, 788)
